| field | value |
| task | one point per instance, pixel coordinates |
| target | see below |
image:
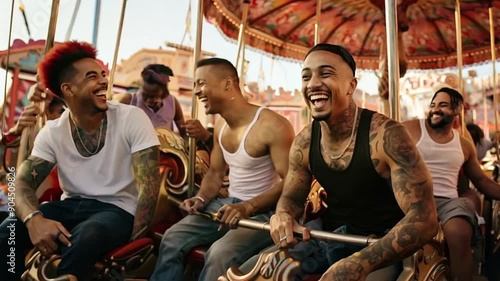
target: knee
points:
(91, 234)
(458, 233)
(171, 240)
(218, 252)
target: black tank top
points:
(358, 197)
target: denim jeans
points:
(96, 228)
(317, 256)
(230, 247)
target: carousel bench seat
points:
(197, 255)
(125, 260)
(132, 249)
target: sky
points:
(149, 24)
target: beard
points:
(445, 120)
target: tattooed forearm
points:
(298, 180)
(32, 173)
(402, 241)
(294, 196)
(147, 175)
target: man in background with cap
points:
(355, 154)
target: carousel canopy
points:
(286, 28)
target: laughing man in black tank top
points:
(353, 153)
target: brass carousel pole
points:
(316, 41)
(194, 100)
(109, 92)
(391, 32)
(49, 43)
(316, 25)
(493, 60)
(458, 31)
(241, 34)
(7, 62)
(240, 57)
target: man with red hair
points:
(97, 146)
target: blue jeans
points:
(317, 256)
(230, 247)
(96, 229)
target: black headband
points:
(338, 50)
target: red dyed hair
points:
(54, 65)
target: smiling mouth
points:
(101, 94)
(318, 100)
(203, 99)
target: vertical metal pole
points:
(97, 17)
(316, 41)
(458, 31)
(240, 58)
(316, 25)
(485, 109)
(493, 60)
(109, 92)
(391, 31)
(72, 22)
(194, 100)
(241, 34)
(5, 125)
(49, 43)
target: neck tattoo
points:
(80, 138)
(336, 157)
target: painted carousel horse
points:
(136, 259)
(428, 263)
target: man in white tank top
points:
(445, 152)
(254, 143)
(97, 146)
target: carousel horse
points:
(403, 26)
(137, 258)
(427, 264)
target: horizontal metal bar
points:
(315, 234)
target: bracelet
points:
(200, 198)
(28, 217)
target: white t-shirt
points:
(107, 176)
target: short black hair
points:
(338, 50)
(476, 133)
(226, 66)
(456, 98)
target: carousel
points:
(416, 34)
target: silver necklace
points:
(81, 141)
(336, 157)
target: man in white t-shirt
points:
(107, 159)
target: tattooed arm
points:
(147, 173)
(298, 180)
(31, 174)
(295, 190)
(412, 186)
(42, 231)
